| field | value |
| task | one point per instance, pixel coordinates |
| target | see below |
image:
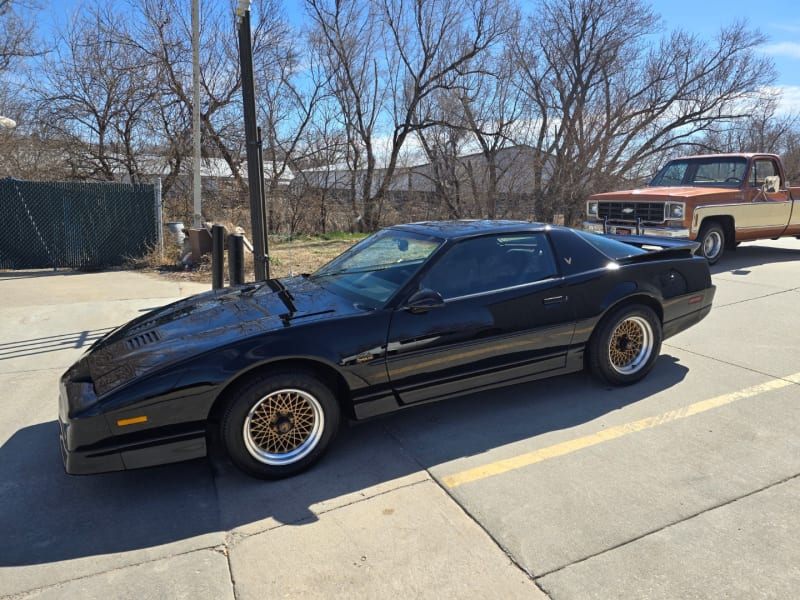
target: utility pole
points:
(196, 165)
(255, 176)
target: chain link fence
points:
(85, 226)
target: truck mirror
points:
(771, 184)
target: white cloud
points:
(790, 49)
(790, 98)
(790, 26)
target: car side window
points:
(491, 263)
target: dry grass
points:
(286, 258)
(305, 256)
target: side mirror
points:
(771, 184)
(424, 300)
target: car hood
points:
(206, 321)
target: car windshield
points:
(374, 269)
(702, 171)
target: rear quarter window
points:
(579, 251)
(610, 247)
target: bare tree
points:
(764, 130)
(346, 40)
(163, 34)
(581, 85)
(457, 128)
(492, 108)
(385, 58)
(289, 90)
(310, 198)
(607, 105)
(442, 144)
(89, 92)
(16, 31)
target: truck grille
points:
(631, 212)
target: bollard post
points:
(236, 258)
(217, 256)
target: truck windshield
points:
(702, 171)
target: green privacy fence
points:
(76, 225)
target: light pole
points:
(196, 162)
(255, 177)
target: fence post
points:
(217, 256)
(236, 258)
(159, 217)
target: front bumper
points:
(88, 444)
(117, 455)
(630, 229)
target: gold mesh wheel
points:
(283, 427)
(631, 345)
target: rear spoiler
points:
(659, 248)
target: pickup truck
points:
(718, 200)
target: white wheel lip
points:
(648, 344)
(303, 450)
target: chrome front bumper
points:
(668, 232)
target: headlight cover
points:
(674, 211)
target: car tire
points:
(712, 242)
(279, 424)
(625, 344)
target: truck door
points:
(768, 214)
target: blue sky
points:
(778, 19)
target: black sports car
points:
(410, 314)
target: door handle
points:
(555, 300)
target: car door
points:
(504, 318)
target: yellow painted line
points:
(570, 446)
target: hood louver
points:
(141, 340)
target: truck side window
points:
(761, 169)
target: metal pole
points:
(217, 256)
(264, 204)
(255, 178)
(197, 180)
(236, 258)
(159, 217)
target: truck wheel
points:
(712, 242)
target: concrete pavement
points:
(682, 486)
(370, 523)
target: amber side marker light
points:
(131, 421)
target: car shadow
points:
(47, 516)
(749, 255)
